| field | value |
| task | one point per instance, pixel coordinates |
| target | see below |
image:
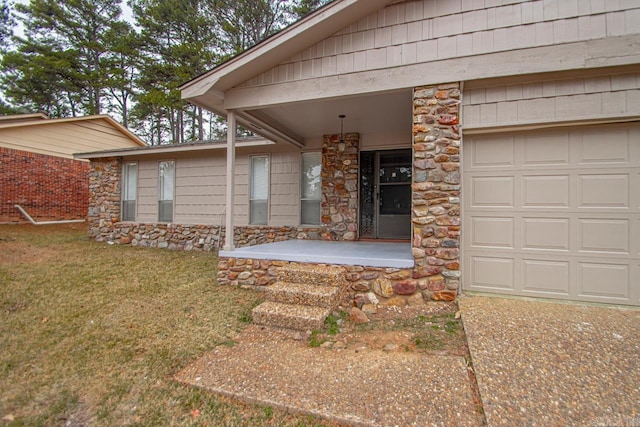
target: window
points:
(129, 190)
(259, 190)
(166, 182)
(311, 192)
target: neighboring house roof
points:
(174, 148)
(63, 137)
(14, 118)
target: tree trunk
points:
(200, 125)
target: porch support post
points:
(231, 162)
(436, 190)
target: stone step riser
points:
(298, 317)
(311, 277)
(318, 296)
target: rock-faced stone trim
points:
(195, 237)
(366, 285)
(436, 191)
(339, 214)
(105, 176)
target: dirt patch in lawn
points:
(434, 328)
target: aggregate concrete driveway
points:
(542, 363)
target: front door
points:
(385, 194)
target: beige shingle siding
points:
(552, 101)
(430, 30)
(201, 187)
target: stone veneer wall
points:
(367, 285)
(196, 237)
(339, 213)
(436, 188)
(104, 195)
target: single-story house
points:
(497, 142)
(38, 171)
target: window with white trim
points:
(259, 190)
(129, 190)
(166, 190)
(311, 191)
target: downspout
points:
(34, 222)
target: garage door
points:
(554, 214)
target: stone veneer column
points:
(104, 195)
(340, 188)
(436, 190)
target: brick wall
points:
(48, 188)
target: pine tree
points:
(6, 24)
(67, 44)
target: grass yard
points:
(92, 334)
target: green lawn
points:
(92, 334)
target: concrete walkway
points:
(537, 363)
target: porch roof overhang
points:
(172, 148)
(211, 90)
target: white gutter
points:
(34, 222)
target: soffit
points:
(387, 112)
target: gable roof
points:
(65, 136)
(208, 89)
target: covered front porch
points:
(366, 254)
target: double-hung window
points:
(311, 191)
(129, 190)
(166, 180)
(259, 190)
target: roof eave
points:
(170, 148)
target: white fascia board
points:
(632, 117)
(584, 55)
(164, 149)
(282, 45)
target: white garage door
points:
(554, 213)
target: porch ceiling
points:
(387, 113)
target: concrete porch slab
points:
(368, 254)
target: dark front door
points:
(385, 194)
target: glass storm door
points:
(385, 194)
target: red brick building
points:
(37, 168)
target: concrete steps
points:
(290, 316)
(302, 294)
(302, 297)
